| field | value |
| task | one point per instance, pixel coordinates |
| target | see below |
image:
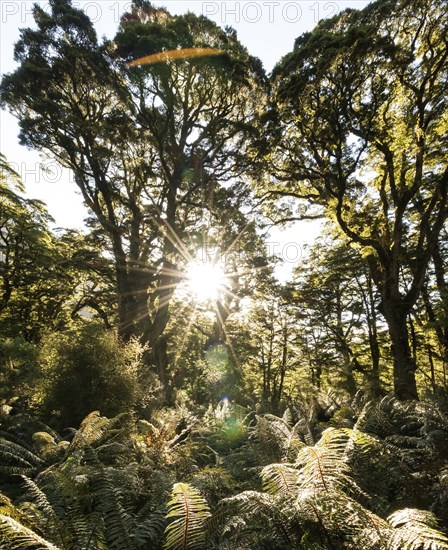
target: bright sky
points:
(267, 28)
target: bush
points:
(87, 369)
(18, 371)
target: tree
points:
(361, 136)
(428, 322)
(333, 291)
(149, 146)
(265, 340)
(48, 278)
(25, 242)
(197, 326)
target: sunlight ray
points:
(163, 303)
(226, 334)
(167, 287)
(183, 342)
(237, 238)
(177, 242)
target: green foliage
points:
(93, 364)
(359, 137)
(46, 277)
(18, 371)
(156, 150)
(356, 131)
(317, 498)
(18, 457)
(188, 512)
(16, 536)
(416, 529)
(95, 494)
(108, 486)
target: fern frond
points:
(150, 529)
(19, 451)
(96, 430)
(416, 529)
(17, 459)
(279, 478)
(287, 417)
(7, 508)
(252, 502)
(40, 498)
(278, 439)
(191, 511)
(15, 536)
(262, 516)
(91, 429)
(116, 519)
(322, 467)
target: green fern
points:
(150, 525)
(116, 518)
(310, 500)
(16, 457)
(416, 530)
(323, 468)
(261, 521)
(15, 536)
(191, 514)
(278, 439)
(92, 429)
(279, 478)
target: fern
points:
(323, 468)
(416, 530)
(108, 495)
(310, 499)
(191, 514)
(150, 525)
(16, 457)
(279, 478)
(260, 516)
(15, 536)
(40, 498)
(91, 430)
(278, 439)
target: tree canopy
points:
(360, 136)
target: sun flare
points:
(205, 281)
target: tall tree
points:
(361, 135)
(334, 293)
(149, 146)
(46, 278)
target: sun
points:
(206, 281)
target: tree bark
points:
(405, 386)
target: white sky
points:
(267, 28)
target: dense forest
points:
(159, 386)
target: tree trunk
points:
(375, 354)
(344, 350)
(125, 312)
(159, 358)
(405, 386)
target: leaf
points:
(191, 511)
(14, 536)
(416, 529)
(279, 478)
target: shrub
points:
(87, 369)
(18, 370)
